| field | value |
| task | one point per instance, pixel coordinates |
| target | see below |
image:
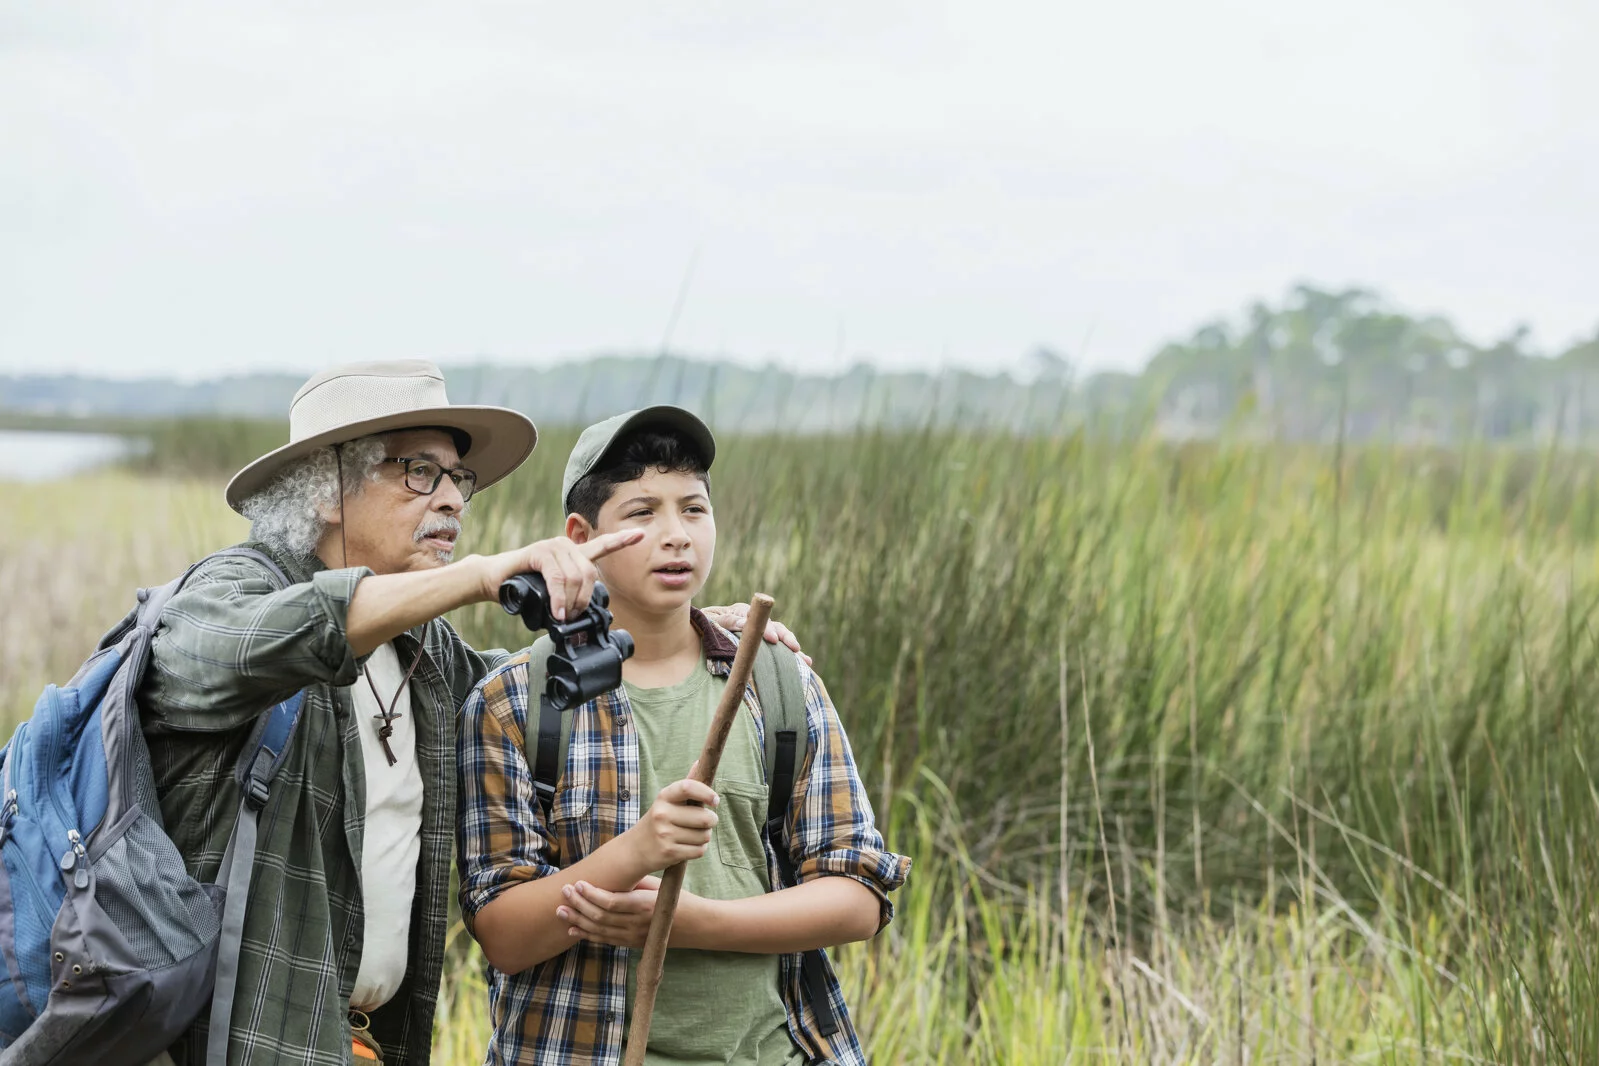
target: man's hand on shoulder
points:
(734, 616)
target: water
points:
(29, 455)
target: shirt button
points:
(610, 1016)
(624, 795)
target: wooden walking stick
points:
(649, 967)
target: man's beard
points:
(438, 524)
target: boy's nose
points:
(674, 532)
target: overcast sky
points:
(194, 188)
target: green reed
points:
(1205, 753)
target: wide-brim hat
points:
(359, 399)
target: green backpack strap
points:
(543, 721)
(777, 686)
(788, 735)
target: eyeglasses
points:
(422, 476)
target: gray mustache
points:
(441, 524)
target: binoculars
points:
(587, 656)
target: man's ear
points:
(578, 530)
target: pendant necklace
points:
(387, 715)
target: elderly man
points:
(343, 939)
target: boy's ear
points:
(578, 530)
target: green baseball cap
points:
(594, 442)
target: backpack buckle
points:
(257, 786)
(544, 793)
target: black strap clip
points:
(258, 785)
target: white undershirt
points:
(393, 837)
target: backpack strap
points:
(788, 734)
(258, 765)
(545, 745)
(248, 553)
(273, 734)
(782, 696)
(153, 600)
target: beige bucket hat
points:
(359, 399)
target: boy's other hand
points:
(733, 617)
(568, 568)
(677, 827)
(621, 919)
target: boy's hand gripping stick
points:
(649, 967)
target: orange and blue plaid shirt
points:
(570, 1008)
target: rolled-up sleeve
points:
(831, 830)
(232, 642)
(500, 832)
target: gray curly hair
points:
(287, 515)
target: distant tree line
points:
(1328, 363)
(1319, 365)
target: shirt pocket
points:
(572, 823)
(737, 836)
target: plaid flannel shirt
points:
(569, 1009)
(230, 645)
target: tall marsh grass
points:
(1217, 753)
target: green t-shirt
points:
(712, 1006)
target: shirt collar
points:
(296, 568)
(717, 643)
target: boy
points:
(561, 908)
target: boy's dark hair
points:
(668, 451)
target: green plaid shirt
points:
(232, 644)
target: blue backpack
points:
(111, 948)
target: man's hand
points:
(568, 568)
(386, 605)
(621, 919)
(674, 829)
(734, 615)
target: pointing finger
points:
(601, 546)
